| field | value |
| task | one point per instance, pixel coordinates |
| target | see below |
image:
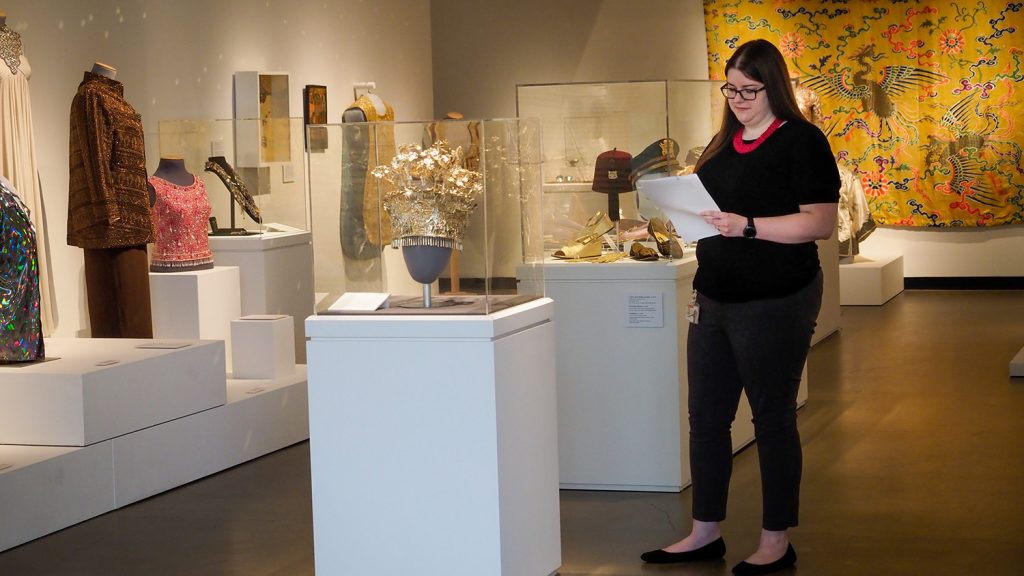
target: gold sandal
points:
(588, 244)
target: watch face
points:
(749, 231)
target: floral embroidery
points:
(951, 42)
(792, 45)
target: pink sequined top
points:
(180, 216)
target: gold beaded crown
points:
(433, 195)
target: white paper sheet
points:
(681, 198)
(360, 301)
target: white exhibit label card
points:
(360, 301)
(645, 310)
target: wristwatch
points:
(750, 231)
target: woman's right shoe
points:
(745, 569)
(713, 551)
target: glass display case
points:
(246, 200)
(580, 121)
(432, 232)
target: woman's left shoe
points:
(788, 559)
(712, 551)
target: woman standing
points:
(757, 294)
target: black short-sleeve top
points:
(792, 167)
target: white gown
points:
(18, 164)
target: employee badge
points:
(693, 309)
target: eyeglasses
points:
(745, 94)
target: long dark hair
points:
(759, 60)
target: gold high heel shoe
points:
(588, 243)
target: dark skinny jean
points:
(758, 347)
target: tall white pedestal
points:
(196, 305)
(276, 275)
(622, 386)
(828, 316)
(870, 281)
(439, 427)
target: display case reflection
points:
(437, 180)
(658, 127)
(244, 200)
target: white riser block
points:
(264, 347)
(870, 282)
(259, 417)
(72, 401)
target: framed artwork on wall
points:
(314, 113)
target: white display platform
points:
(94, 389)
(276, 274)
(1017, 364)
(438, 427)
(50, 488)
(622, 388)
(870, 281)
(196, 305)
(260, 416)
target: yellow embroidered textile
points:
(920, 99)
(382, 142)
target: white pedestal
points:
(264, 346)
(870, 281)
(438, 426)
(622, 386)
(276, 274)
(828, 316)
(196, 305)
(97, 388)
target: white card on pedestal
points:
(360, 301)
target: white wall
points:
(176, 60)
(482, 49)
(951, 253)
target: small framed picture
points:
(314, 113)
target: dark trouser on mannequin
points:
(117, 286)
(759, 347)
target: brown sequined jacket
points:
(108, 204)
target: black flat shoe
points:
(712, 551)
(788, 559)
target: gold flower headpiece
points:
(432, 197)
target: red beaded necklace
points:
(744, 148)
